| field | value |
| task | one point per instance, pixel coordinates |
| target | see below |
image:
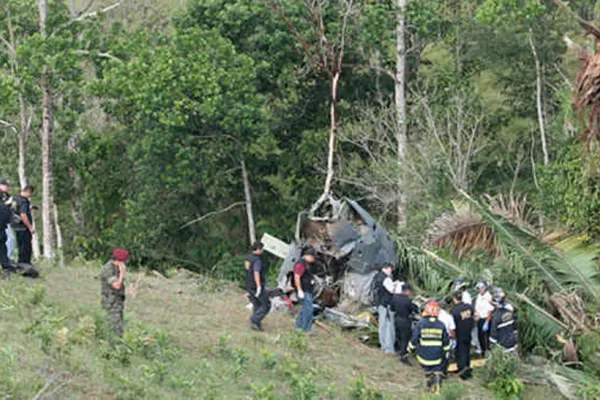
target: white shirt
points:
(466, 298)
(389, 285)
(447, 320)
(483, 305)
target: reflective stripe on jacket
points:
(430, 339)
(503, 328)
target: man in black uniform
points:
(403, 307)
(503, 327)
(255, 286)
(25, 228)
(5, 219)
(463, 315)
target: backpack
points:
(376, 286)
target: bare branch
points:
(102, 55)
(202, 218)
(96, 13)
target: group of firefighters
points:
(441, 334)
(438, 336)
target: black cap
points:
(457, 295)
(4, 181)
(257, 246)
(406, 286)
(387, 265)
(309, 251)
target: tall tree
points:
(400, 101)
(47, 141)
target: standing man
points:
(24, 229)
(431, 341)
(448, 322)
(255, 286)
(461, 286)
(384, 288)
(503, 326)
(5, 219)
(305, 282)
(7, 200)
(403, 307)
(463, 319)
(483, 315)
(112, 284)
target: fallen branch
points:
(324, 327)
(527, 300)
(202, 218)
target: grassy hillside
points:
(187, 338)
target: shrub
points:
(501, 374)
(360, 391)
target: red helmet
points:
(120, 255)
(432, 309)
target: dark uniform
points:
(503, 328)
(431, 340)
(463, 319)
(23, 235)
(5, 219)
(403, 308)
(113, 300)
(261, 304)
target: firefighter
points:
(431, 341)
(503, 326)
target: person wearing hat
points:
(6, 200)
(383, 290)
(24, 228)
(255, 286)
(305, 282)
(112, 283)
(403, 307)
(483, 315)
(431, 341)
(503, 325)
(461, 285)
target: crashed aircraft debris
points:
(350, 247)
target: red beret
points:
(120, 255)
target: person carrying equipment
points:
(503, 326)
(384, 288)
(403, 307)
(255, 286)
(463, 319)
(431, 341)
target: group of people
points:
(441, 334)
(15, 220)
(303, 282)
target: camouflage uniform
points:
(113, 301)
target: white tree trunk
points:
(23, 133)
(47, 140)
(249, 213)
(333, 130)
(400, 100)
(35, 242)
(538, 97)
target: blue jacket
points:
(431, 341)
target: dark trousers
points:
(463, 355)
(261, 307)
(4, 261)
(24, 245)
(482, 336)
(403, 333)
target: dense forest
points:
(182, 130)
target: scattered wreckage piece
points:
(350, 246)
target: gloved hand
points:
(453, 344)
(301, 294)
(486, 326)
(258, 292)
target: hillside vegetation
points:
(186, 338)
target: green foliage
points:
(501, 373)
(360, 391)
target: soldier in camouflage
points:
(112, 276)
